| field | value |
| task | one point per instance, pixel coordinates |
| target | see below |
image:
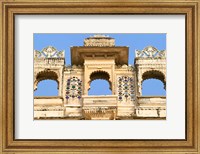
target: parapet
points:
(99, 41)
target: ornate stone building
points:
(99, 58)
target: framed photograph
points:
(99, 76)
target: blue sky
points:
(99, 87)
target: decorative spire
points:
(150, 52)
(49, 52)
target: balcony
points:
(100, 107)
(48, 107)
(151, 106)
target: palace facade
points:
(99, 58)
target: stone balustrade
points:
(48, 107)
(41, 101)
(108, 100)
(152, 99)
(151, 106)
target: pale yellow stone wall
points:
(100, 107)
(144, 65)
(98, 65)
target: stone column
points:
(86, 80)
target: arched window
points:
(46, 83)
(99, 87)
(99, 83)
(153, 84)
(153, 87)
(47, 88)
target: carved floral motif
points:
(126, 88)
(49, 52)
(150, 52)
(74, 88)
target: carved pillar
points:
(60, 76)
(113, 80)
(139, 78)
(86, 80)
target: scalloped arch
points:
(154, 74)
(100, 75)
(46, 74)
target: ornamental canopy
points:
(99, 47)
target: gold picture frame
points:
(189, 8)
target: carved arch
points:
(100, 75)
(46, 74)
(154, 74)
